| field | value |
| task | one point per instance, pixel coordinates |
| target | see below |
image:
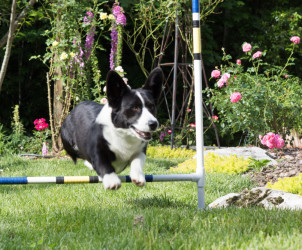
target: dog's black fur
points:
(111, 136)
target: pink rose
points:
(215, 117)
(189, 110)
(272, 140)
(280, 143)
(238, 61)
(193, 125)
(235, 97)
(286, 76)
(169, 131)
(295, 39)
(257, 54)
(215, 73)
(226, 76)
(246, 47)
(221, 83)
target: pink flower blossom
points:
(286, 76)
(193, 125)
(215, 117)
(238, 61)
(257, 54)
(89, 13)
(226, 76)
(215, 73)
(220, 83)
(189, 110)
(118, 12)
(40, 124)
(295, 39)
(246, 47)
(169, 131)
(272, 140)
(235, 97)
(162, 136)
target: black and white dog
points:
(111, 136)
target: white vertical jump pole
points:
(198, 102)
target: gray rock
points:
(254, 152)
(264, 197)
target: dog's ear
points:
(154, 82)
(115, 88)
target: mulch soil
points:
(289, 164)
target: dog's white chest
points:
(124, 146)
(121, 142)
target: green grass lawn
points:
(157, 216)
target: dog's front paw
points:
(111, 181)
(138, 179)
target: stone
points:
(263, 197)
(254, 152)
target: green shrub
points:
(288, 184)
(17, 142)
(268, 93)
(214, 163)
(168, 153)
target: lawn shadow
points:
(158, 202)
(160, 164)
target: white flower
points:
(105, 89)
(103, 16)
(72, 54)
(111, 17)
(54, 43)
(119, 68)
(103, 100)
(63, 56)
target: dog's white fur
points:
(122, 142)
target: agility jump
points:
(198, 177)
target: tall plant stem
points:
(291, 54)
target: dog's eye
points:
(136, 109)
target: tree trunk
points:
(9, 43)
(58, 106)
(17, 22)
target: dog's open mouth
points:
(141, 134)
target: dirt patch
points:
(289, 164)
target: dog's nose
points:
(153, 125)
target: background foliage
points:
(267, 23)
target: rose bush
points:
(263, 97)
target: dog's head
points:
(135, 109)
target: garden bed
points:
(289, 164)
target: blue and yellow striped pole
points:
(198, 102)
(92, 179)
